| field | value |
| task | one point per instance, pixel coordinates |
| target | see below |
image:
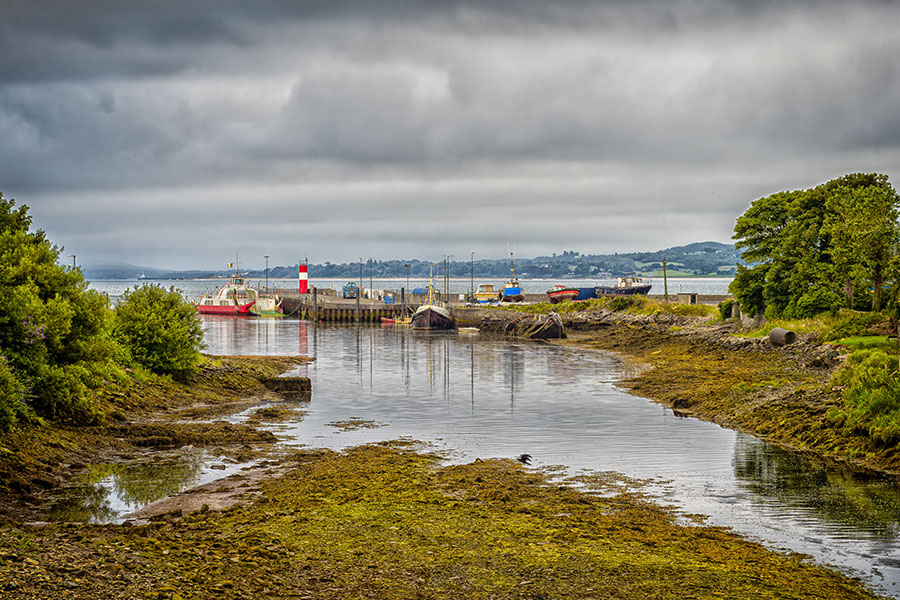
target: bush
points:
(852, 323)
(725, 308)
(11, 394)
(871, 396)
(52, 328)
(160, 329)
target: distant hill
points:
(700, 259)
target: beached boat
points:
(485, 294)
(512, 291)
(237, 298)
(625, 286)
(430, 315)
(561, 293)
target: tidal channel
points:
(482, 397)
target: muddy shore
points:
(385, 520)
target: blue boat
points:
(512, 291)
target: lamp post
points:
(472, 282)
(360, 278)
(447, 257)
(73, 261)
(371, 285)
(407, 277)
(267, 272)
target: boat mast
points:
(429, 298)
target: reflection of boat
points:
(486, 293)
(430, 315)
(512, 292)
(625, 286)
(237, 298)
(561, 293)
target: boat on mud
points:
(561, 293)
(485, 294)
(625, 286)
(512, 291)
(236, 298)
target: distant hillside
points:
(700, 259)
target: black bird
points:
(525, 459)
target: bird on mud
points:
(525, 459)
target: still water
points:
(474, 396)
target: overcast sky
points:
(176, 134)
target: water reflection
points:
(105, 492)
(851, 503)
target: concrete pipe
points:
(782, 337)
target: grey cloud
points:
(588, 118)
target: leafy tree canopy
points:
(808, 251)
(52, 328)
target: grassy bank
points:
(384, 522)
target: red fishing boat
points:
(561, 293)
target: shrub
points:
(11, 393)
(851, 323)
(52, 328)
(725, 308)
(871, 396)
(160, 329)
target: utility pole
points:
(665, 281)
(267, 272)
(371, 285)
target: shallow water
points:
(474, 396)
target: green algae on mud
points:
(383, 521)
(139, 413)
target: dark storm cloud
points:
(588, 118)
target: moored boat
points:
(267, 305)
(430, 315)
(625, 286)
(236, 298)
(561, 293)
(233, 298)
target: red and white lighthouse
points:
(303, 272)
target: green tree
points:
(804, 248)
(160, 329)
(52, 328)
(862, 224)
